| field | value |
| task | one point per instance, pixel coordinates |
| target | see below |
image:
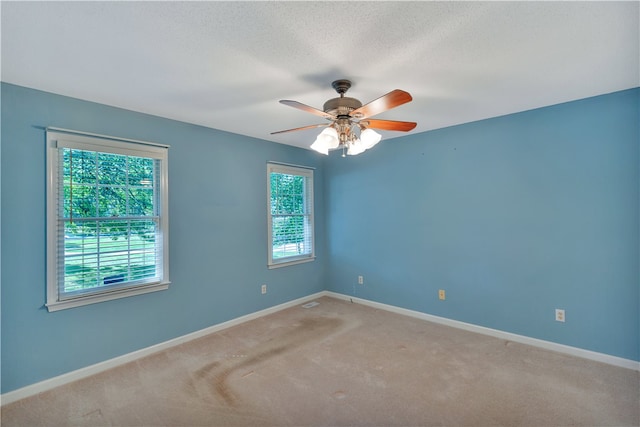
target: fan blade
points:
(303, 107)
(389, 125)
(302, 128)
(386, 102)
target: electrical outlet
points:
(559, 315)
(441, 294)
(360, 280)
(264, 289)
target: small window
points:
(107, 219)
(290, 215)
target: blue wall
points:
(218, 238)
(513, 216)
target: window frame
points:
(307, 173)
(62, 138)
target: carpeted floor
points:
(343, 364)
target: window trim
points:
(290, 169)
(106, 144)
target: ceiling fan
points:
(350, 126)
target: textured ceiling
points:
(225, 65)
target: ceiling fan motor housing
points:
(341, 106)
(344, 105)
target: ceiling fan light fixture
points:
(316, 146)
(330, 137)
(356, 147)
(325, 141)
(369, 138)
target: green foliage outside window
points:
(110, 219)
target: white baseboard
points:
(547, 345)
(45, 385)
(78, 374)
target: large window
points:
(290, 214)
(107, 219)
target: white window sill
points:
(107, 296)
(292, 262)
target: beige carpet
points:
(343, 364)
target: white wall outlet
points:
(360, 280)
(442, 295)
(559, 315)
(264, 289)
